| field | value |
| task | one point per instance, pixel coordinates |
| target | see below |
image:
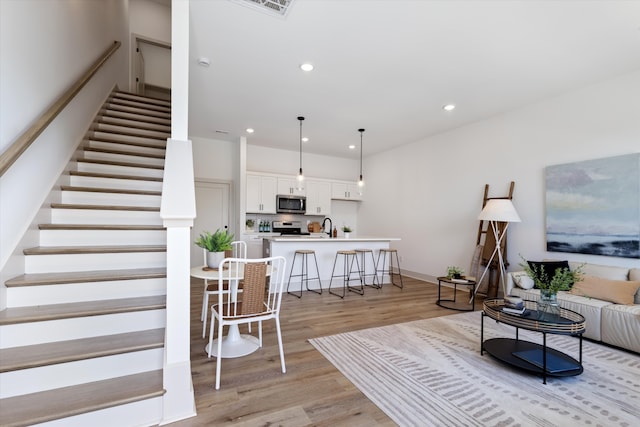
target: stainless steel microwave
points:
(291, 204)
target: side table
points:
(467, 305)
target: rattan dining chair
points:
(238, 250)
(260, 300)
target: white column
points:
(178, 209)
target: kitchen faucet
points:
(330, 225)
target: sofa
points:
(610, 318)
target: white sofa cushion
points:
(634, 274)
(621, 326)
(522, 280)
(604, 271)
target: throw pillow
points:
(549, 267)
(615, 291)
(522, 280)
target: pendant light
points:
(360, 181)
(300, 175)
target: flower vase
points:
(214, 258)
(548, 304)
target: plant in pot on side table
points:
(216, 244)
(562, 280)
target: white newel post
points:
(178, 209)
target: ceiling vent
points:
(272, 7)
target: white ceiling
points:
(390, 65)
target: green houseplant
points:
(215, 245)
(347, 231)
(454, 272)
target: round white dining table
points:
(234, 344)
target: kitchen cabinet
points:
(345, 191)
(289, 186)
(318, 197)
(261, 194)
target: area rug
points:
(430, 373)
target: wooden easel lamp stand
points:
(496, 211)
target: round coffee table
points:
(527, 355)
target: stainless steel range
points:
(288, 228)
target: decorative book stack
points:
(513, 305)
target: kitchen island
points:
(325, 249)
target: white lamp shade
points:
(500, 210)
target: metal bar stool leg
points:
(319, 292)
(363, 272)
(293, 263)
(335, 260)
(360, 290)
(304, 272)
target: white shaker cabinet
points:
(289, 186)
(261, 194)
(318, 197)
(345, 191)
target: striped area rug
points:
(430, 373)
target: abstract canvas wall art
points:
(593, 207)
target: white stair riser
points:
(96, 216)
(116, 183)
(110, 199)
(16, 383)
(93, 155)
(144, 118)
(133, 97)
(104, 237)
(146, 412)
(160, 142)
(90, 262)
(22, 334)
(125, 123)
(134, 103)
(141, 111)
(124, 147)
(25, 296)
(119, 170)
(108, 127)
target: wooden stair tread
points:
(115, 176)
(111, 190)
(132, 227)
(104, 207)
(138, 104)
(143, 98)
(32, 356)
(74, 400)
(41, 313)
(141, 144)
(142, 118)
(37, 279)
(73, 250)
(124, 153)
(126, 164)
(138, 110)
(108, 119)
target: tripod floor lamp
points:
(497, 211)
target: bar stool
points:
(380, 268)
(363, 268)
(304, 271)
(348, 258)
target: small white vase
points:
(214, 258)
(347, 235)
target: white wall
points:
(429, 193)
(44, 47)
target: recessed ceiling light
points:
(306, 67)
(305, 139)
(352, 147)
(448, 107)
(250, 130)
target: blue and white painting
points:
(593, 207)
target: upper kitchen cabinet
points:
(261, 194)
(318, 197)
(345, 191)
(289, 187)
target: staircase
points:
(82, 339)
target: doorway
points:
(212, 213)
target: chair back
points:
(263, 282)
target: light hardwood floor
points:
(254, 391)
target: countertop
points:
(332, 239)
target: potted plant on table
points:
(455, 272)
(562, 280)
(347, 231)
(215, 244)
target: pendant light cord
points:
(361, 132)
(300, 119)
